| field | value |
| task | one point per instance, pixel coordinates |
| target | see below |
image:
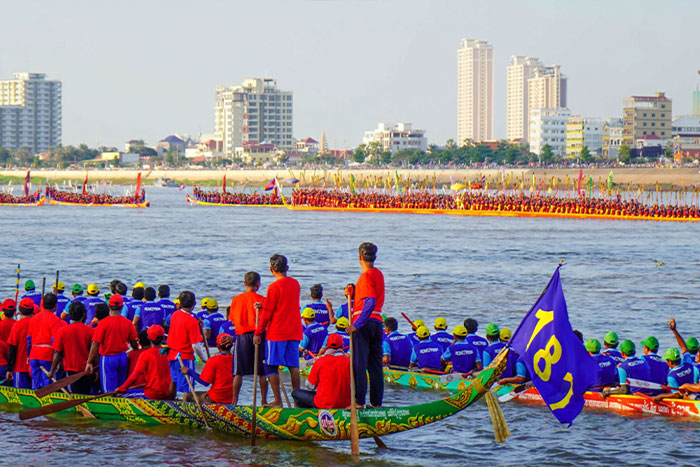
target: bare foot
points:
(234, 402)
(358, 407)
(277, 404)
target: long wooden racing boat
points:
(275, 423)
(143, 204)
(194, 201)
(38, 201)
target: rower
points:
(522, 375)
(324, 311)
(341, 326)
(217, 372)
(133, 356)
(607, 372)
(463, 355)
(113, 336)
(8, 309)
(493, 334)
(42, 332)
(129, 309)
(77, 292)
(396, 346)
(343, 308)
(610, 342)
(154, 368)
(4, 354)
(91, 300)
(412, 335)
(689, 348)
(426, 353)
(31, 293)
(149, 312)
(331, 376)
(477, 341)
(511, 360)
(71, 347)
(212, 321)
(62, 301)
(242, 315)
(680, 373)
(315, 334)
(17, 361)
(657, 366)
(164, 301)
(184, 334)
(632, 367)
(441, 336)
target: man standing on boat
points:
(17, 361)
(279, 321)
(367, 324)
(42, 331)
(184, 333)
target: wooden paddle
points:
(254, 417)
(194, 395)
(204, 340)
(60, 384)
(413, 326)
(83, 410)
(284, 392)
(515, 392)
(63, 405)
(354, 429)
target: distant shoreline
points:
(649, 177)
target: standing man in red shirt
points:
(111, 339)
(153, 369)
(183, 334)
(17, 361)
(331, 376)
(8, 309)
(42, 331)
(242, 315)
(367, 326)
(280, 322)
(72, 346)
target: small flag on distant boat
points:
(85, 183)
(182, 187)
(560, 367)
(272, 185)
(137, 192)
(27, 180)
(223, 186)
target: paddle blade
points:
(52, 408)
(60, 384)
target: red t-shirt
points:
(331, 375)
(155, 370)
(370, 285)
(4, 350)
(114, 334)
(42, 331)
(219, 373)
(18, 338)
(242, 312)
(74, 341)
(5, 328)
(184, 331)
(280, 313)
(133, 357)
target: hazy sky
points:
(146, 69)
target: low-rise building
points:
(172, 142)
(121, 158)
(612, 138)
(646, 115)
(583, 132)
(307, 146)
(254, 153)
(548, 127)
(395, 137)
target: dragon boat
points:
(274, 423)
(37, 200)
(192, 200)
(142, 204)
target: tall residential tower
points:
(474, 91)
(520, 70)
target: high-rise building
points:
(256, 111)
(520, 70)
(583, 132)
(546, 88)
(30, 112)
(474, 91)
(548, 127)
(646, 116)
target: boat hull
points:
(194, 201)
(144, 204)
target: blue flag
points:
(560, 366)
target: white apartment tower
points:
(474, 91)
(254, 111)
(30, 112)
(520, 70)
(546, 88)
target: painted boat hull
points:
(144, 204)
(38, 203)
(275, 423)
(194, 201)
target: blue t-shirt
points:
(463, 356)
(342, 311)
(607, 370)
(658, 368)
(478, 342)
(682, 374)
(322, 314)
(615, 354)
(442, 338)
(426, 354)
(149, 313)
(90, 302)
(61, 304)
(633, 367)
(213, 322)
(34, 296)
(689, 357)
(167, 305)
(315, 335)
(491, 351)
(398, 347)
(521, 369)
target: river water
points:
(625, 276)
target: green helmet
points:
(492, 329)
(77, 289)
(651, 342)
(627, 347)
(29, 285)
(592, 345)
(672, 354)
(692, 344)
(611, 339)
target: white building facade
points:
(30, 112)
(518, 73)
(256, 111)
(394, 138)
(474, 91)
(548, 127)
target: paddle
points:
(194, 395)
(413, 326)
(83, 410)
(43, 287)
(63, 405)
(204, 340)
(354, 429)
(640, 383)
(60, 384)
(17, 284)
(254, 418)
(515, 392)
(284, 392)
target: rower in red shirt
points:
(42, 331)
(367, 324)
(153, 368)
(183, 334)
(281, 323)
(134, 355)
(242, 315)
(112, 338)
(17, 360)
(72, 346)
(331, 376)
(218, 372)
(8, 309)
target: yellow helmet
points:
(139, 285)
(504, 335)
(205, 302)
(423, 332)
(308, 313)
(93, 289)
(342, 323)
(441, 323)
(60, 286)
(460, 331)
(418, 323)
(212, 304)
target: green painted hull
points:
(274, 423)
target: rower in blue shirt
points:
(341, 325)
(477, 341)
(31, 293)
(77, 292)
(679, 373)
(212, 321)
(607, 366)
(314, 335)
(129, 309)
(689, 349)
(412, 335)
(396, 348)
(521, 373)
(324, 311)
(164, 301)
(495, 346)
(657, 366)
(632, 367)
(343, 309)
(148, 313)
(463, 356)
(441, 336)
(91, 300)
(426, 353)
(610, 342)
(62, 301)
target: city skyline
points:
(159, 75)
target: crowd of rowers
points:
(255, 198)
(479, 201)
(93, 198)
(7, 198)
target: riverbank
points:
(666, 178)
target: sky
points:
(146, 69)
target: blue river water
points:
(623, 276)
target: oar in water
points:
(354, 429)
(254, 415)
(63, 405)
(60, 384)
(194, 395)
(83, 410)
(517, 390)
